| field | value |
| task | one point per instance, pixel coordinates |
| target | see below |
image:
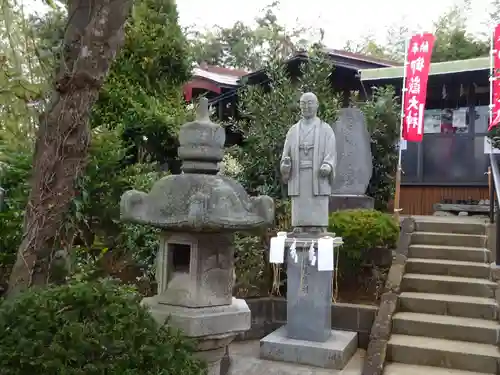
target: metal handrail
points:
(495, 213)
(495, 173)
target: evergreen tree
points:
(143, 92)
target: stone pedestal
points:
(339, 202)
(333, 353)
(213, 327)
(308, 338)
(309, 294)
(195, 279)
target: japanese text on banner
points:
(417, 73)
(495, 84)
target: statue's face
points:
(309, 105)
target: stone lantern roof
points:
(198, 199)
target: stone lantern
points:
(198, 212)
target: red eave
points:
(212, 78)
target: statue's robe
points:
(309, 190)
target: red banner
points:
(495, 76)
(418, 63)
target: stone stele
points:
(308, 337)
(354, 161)
(198, 212)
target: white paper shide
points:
(312, 255)
(321, 252)
(277, 248)
(326, 248)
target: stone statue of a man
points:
(308, 166)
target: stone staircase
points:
(447, 317)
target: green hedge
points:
(88, 329)
(362, 230)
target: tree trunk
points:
(94, 34)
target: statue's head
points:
(309, 105)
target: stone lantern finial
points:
(201, 143)
(202, 113)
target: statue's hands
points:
(285, 168)
(325, 170)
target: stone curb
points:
(382, 325)
(269, 313)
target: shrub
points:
(15, 172)
(250, 266)
(362, 230)
(254, 275)
(88, 329)
(382, 112)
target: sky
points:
(341, 20)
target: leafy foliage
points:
(143, 92)
(88, 328)
(362, 230)
(134, 125)
(452, 40)
(96, 210)
(15, 171)
(22, 88)
(250, 266)
(94, 216)
(267, 114)
(382, 112)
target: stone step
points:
(448, 239)
(427, 351)
(467, 254)
(450, 226)
(465, 286)
(394, 368)
(446, 327)
(446, 304)
(448, 267)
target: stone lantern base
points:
(214, 327)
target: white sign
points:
(277, 250)
(432, 121)
(482, 118)
(403, 144)
(460, 118)
(487, 147)
(325, 254)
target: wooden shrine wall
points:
(418, 200)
